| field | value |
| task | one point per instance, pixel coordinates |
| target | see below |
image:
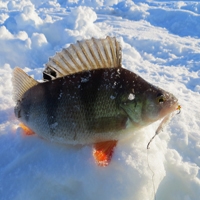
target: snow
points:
(161, 42)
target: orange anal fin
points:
(103, 152)
(26, 130)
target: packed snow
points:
(160, 42)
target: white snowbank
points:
(160, 42)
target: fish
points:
(87, 97)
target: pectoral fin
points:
(103, 152)
(26, 130)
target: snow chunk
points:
(5, 86)
(82, 18)
(131, 97)
(130, 10)
(91, 3)
(38, 40)
(3, 17)
(22, 35)
(18, 4)
(4, 33)
(28, 17)
(197, 88)
(3, 4)
(81, 22)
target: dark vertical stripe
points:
(26, 103)
(89, 94)
(51, 103)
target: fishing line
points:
(163, 123)
(152, 178)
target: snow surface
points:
(160, 42)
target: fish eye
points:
(160, 98)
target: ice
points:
(160, 42)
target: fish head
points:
(146, 106)
(157, 104)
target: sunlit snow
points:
(160, 42)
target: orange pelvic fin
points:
(103, 152)
(26, 130)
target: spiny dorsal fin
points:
(84, 55)
(21, 83)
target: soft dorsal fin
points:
(84, 55)
(21, 83)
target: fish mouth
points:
(172, 106)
